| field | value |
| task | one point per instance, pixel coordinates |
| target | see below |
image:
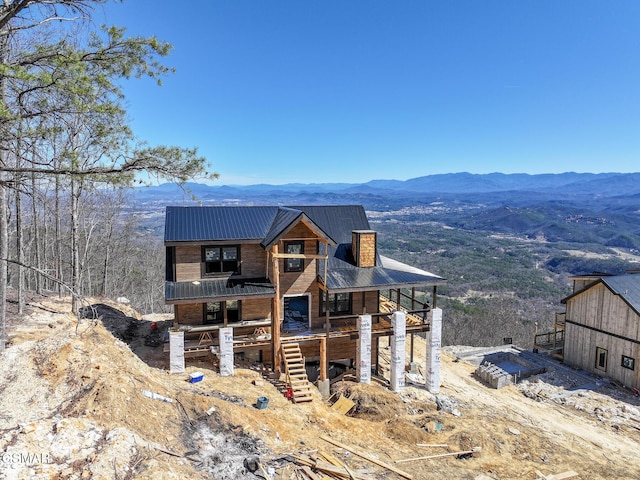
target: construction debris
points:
(463, 453)
(366, 456)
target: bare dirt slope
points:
(75, 403)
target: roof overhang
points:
(217, 290)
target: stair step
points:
(308, 398)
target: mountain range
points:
(492, 187)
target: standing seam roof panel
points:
(228, 223)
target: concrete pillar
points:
(363, 350)
(226, 352)
(434, 344)
(324, 386)
(176, 352)
(398, 350)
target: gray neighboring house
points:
(602, 326)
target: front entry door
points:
(296, 314)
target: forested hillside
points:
(507, 258)
(71, 222)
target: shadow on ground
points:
(142, 338)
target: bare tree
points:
(69, 81)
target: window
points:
(338, 303)
(223, 259)
(628, 362)
(294, 264)
(601, 359)
(214, 312)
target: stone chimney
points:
(363, 245)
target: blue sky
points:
(349, 91)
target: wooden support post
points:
(434, 303)
(327, 326)
(323, 359)
(411, 354)
(377, 355)
(275, 322)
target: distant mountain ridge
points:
(552, 185)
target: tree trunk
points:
(75, 254)
(4, 230)
(36, 234)
(58, 239)
(19, 245)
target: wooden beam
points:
(464, 452)
(299, 255)
(275, 329)
(367, 457)
(327, 328)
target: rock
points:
(252, 463)
(514, 431)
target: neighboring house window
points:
(601, 359)
(214, 312)
(628, 362)
(222, 259)
(294, 264)
(338, 303)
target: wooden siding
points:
(193, 313)
(188, 263)
(599, 308)
(598, 318)
(189, 314)
(189, 267)
(370, 306)
(253, 260)
(256, 309)
(293, 283)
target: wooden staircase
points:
(296, 373)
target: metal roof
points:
(193, 224)
(218, 289)
(286, 219)
(267, 224)
(354, 279)
(627, 286)
(338, 221)
(214, 223)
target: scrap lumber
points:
(343, 405)
(557, 476)
(367, 457)
(334, 461)
(464, 452)
(310, 474)
(326, 468)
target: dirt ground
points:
(90, 399)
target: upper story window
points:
(294, 264)
(222, 259)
